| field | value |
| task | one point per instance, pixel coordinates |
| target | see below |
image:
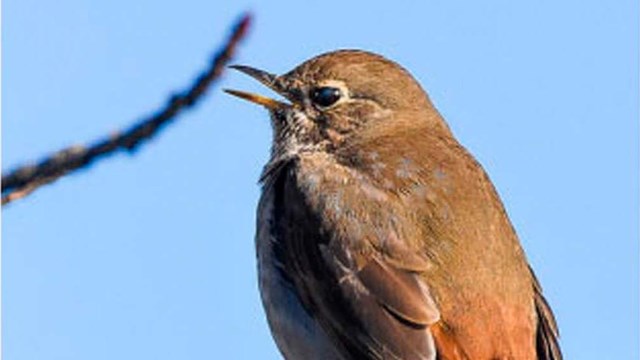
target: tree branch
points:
(25, 179)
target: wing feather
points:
(369, 308)
(547, 334)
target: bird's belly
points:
(297, 334)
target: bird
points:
(378, 235)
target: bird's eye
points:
(325, 96)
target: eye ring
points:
(325, 96)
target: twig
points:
(25, 179)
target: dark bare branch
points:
(25, 179)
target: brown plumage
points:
(379, 236)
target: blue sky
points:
(151, 256)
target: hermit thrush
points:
(379, 236)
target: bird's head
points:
(338, 97)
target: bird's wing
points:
(370, 308)
(391, 309)
(547, 333)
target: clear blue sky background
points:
(151, 256)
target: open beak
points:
(269, 103)
(265, 78)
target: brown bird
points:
(379, 236)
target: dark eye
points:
(325, 96)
